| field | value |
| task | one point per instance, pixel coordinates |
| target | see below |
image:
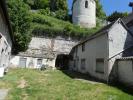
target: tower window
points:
(86, 4)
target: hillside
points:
(49, 26)
(26, 23)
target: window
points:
(100, 65)
(86, 4)
(83, 47)
(39, 62)
(83, 65)
(22, 62)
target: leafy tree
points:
(56, 5)
(115, 15)
(41, 4)
(99, 10)
(37, 4)
(60, 8)
(21, 23)
(29, 2)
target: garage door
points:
(22, 62)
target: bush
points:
(50, 26)
(21, 19)
(37, 18)
(61, 14)
(46, 12)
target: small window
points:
(100, 65)
(86, 4)
(39, 62)
(83, 47)
(22, 62)
(83, 65)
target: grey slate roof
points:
(128, 19)
(100, 32)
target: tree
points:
(60, 8)
(37, 4)
(21, 23)
(41, 4)
(56, 5)
(29, 2)
(99, 10)
(115, 15)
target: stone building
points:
(6, 36)
(84, 13)
(43, 51)
(98, 53)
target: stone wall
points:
(45, 48)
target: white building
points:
(98, 53)
(6, 36)
(84, 13)
(43, 51)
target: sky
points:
(110, 6)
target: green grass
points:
(47, 25)
(55, 85)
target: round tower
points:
(84, 13)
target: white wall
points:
(5, 41)
(119, 39)
(85, 17)
(95, 48)
(61, 45)
(14, 62)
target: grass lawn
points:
(26, 84)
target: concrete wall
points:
(46, 48)
(85, 17)
(94, 49)
(58, 44)
(125, 71)
(5, 41)
(119, 40)
(31, 62)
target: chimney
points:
(131, 5)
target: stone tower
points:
(84, 13)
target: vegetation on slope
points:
(26, 84)
(46, 25)
(50, 21)
(21, 19)
(115, 15)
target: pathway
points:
(3, 94)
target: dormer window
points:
(86, 4)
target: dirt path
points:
(22, 84)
